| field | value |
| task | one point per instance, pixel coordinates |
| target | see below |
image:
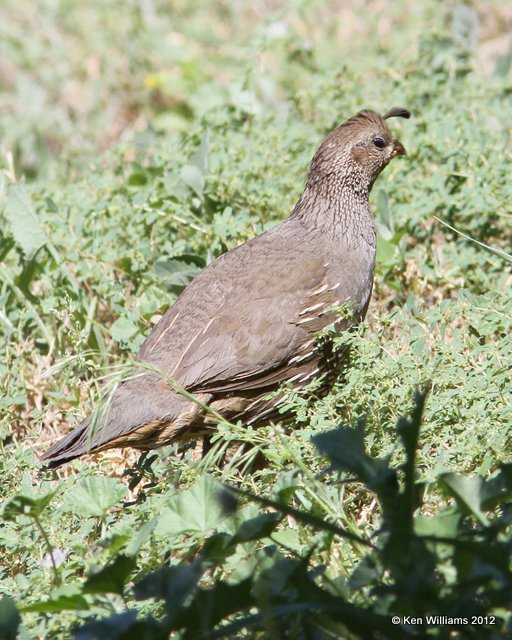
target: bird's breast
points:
(350, 275)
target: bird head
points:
(357, 151)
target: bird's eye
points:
(379, 142)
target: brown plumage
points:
(249, 321)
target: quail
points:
(250, 322)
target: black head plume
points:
(397, 112)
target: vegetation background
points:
(139, 140)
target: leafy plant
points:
(449, 570)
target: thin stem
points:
(50, 548)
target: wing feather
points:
(234, 331)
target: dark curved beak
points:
(398, 149)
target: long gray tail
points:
(70, 447)
(141, 403)
(114, 417)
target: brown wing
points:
(239, 323)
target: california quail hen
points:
(249, 322)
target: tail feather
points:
(70, 447)
(138, 411)
(113, 418)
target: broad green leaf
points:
(196, 510)
(10, 619)
(217, 548)
(26, 229)
(94, 496)
(290, 538)
(467, 492)
(111, 578)
(443, 525)
(123, 329)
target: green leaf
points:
(368, 571)
(345, 449)
(290, 538)
(24, 505)
(443, 525)
(384, 219)
(196, 510)
(112, 578)
(193, 178)
(26, 229)
(123, 329)
(137, 179)
(50, 203)
(173, 584)
(201, 157)
(210, 606)
(261, 526)
(121, 625)
(303, 516)
(179, 271)
(10, 619)
(144, 533)
(74, 602)
(286, 486)
(94, 496)
(217, 548)
(498, 489)
(467, 493)
(386, 252)
(6, 244)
